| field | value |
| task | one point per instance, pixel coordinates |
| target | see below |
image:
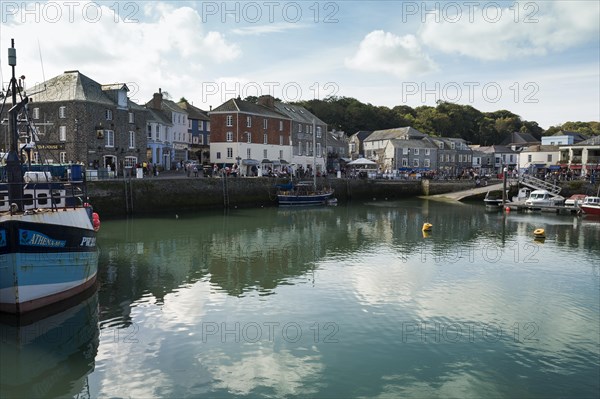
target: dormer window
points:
(108, 115)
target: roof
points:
(541, 148)
(576, 136)
(168, 105)
(362, 134)
(520, 138)
(70, 86)
(158, 117)
(193, 112)
(493, 149)
(412, 143)
(297, 113)
(401, 132)
(246, 107)
(591, 141)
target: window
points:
(265, 123)
(149, 131)
(281, 126)
(280, 154)
(36, 113)
(108, 114)
(189, 123)
(249, 137)
(218, 154)
(265, 138)
(207, 139)
(415, 163)
(452, 145)
(129, 162)
(405, 151)
(265, 154)
(248, 121)
(281, 139)
(549, 157)
(62, 157)
(62, 112)
(131, 118)
(131, 139)
(405, 162)
(229, 136)
(62, 133)
(427, 151)
(318, 149)
(248, 153)
(229, 152)
(299, 128)
(229, 120)
(110, 138)
(201, 139)
(318, 131)
(426, 163)
(416, 151)
(529, 157)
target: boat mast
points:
(314, 155)
(13, 164)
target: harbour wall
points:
(121, 197)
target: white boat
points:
(543, 198)
(47, 228)
(591, 204)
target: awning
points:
(539, 165)
(554, 167)
(250, 162)
(266, 161)
(284, 162)
(575, 167)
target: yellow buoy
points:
(427, 226)
(426, 234)
(539, 233)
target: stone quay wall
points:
(120, 197)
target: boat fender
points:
(539, 233)
(427, 226)
(96, 221)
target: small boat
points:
(574, 200)
(47, 227)
(543, 198)
(494, 198)
(591, 205)
(303, 194)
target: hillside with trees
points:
(444, 120)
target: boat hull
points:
(590, 209)
(303, 200)
(45, 257)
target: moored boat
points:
(590, 205)
(47, 228)
(302, 194)
(543, 198)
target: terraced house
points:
(77, 119)
(266, 136)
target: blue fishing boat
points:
(303, 194)
(47, 227)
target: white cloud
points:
(265, 29)
(162, 45)
(382, 51)
(524, 29)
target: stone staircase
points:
(538, 184)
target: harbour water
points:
(336, 302)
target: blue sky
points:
(538, 59)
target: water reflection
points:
(475, 309)
(49, 353)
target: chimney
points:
(266, 101)
(157, 100)
(210, 107)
